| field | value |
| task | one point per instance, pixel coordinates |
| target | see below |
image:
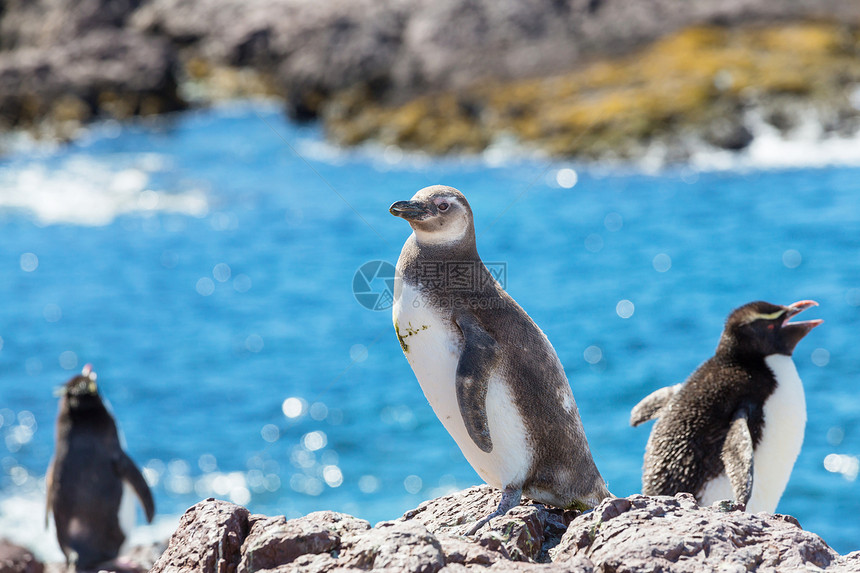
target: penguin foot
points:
(510, 499)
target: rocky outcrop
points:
(699, 86)
(306, 541)
(399, 49)
(65, 63)
(209, 538)
(440, 75)
(675, 534)
(635, 534)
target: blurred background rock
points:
(592, 78)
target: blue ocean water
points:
(205, 263)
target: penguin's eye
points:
(442, 206)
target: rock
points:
(403, 48)
(397, 546)
(443, 76)
(65, 63)
(463, 551)
(642, 533)
(311, 49)
(47, 23)
(274, 541)
(698, 84)
(523, 534)
(107, 72)
(622, 535)
(850, 562)
(209, 539)
(16, 559)
(728, 134)
(454, 514)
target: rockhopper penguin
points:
(489, 373)
(85, 479)
(734, 429)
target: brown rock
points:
(16, 559)
(635, 534)
(466, 551)
(454, 514)
(398, 546)
(674, 534)
(106, 72)
(209, 539)
(519, 567)
(522, 531)
(274, 541)
(310, 563)
(524, 534)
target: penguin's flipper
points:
(737, 456)
(649, 407)
(480, 350)
(126, 469)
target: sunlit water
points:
(204, 264)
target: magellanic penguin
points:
(489, 373)
(734, 429)
(86, 476)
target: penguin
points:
(86, 477)
(490, 374)
(734, 429)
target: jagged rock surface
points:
(640, 533)
(275, 541)
(635, 534)
(209, 538)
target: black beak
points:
(409, 210)
(793, 332)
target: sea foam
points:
(807, 145)
(90, 191)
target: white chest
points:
(782, 437)
(432, 345)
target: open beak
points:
(793, 332)
(797, 308)
(409, 210)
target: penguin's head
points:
(439, 215)
(764, 329)
(82, 391)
